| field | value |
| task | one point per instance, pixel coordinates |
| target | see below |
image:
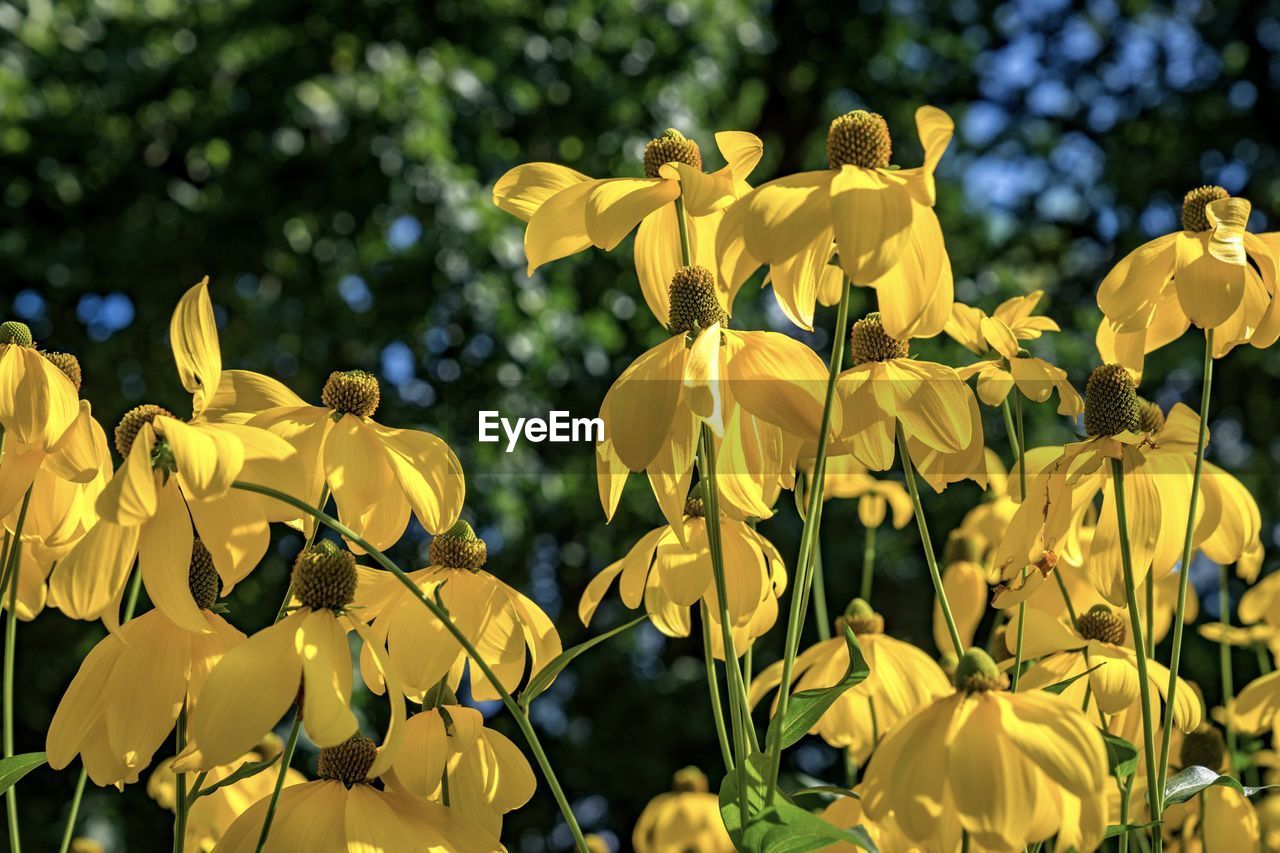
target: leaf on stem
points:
(805, 708)
(1067, 682)
(14, 768)
(548, 674)
(244, 771)
(1186, 783)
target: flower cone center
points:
(1204, 747)
(671, 147)
(1111, 402)
(348, 762)
(976, 672)
(352, 392)
(15, 332)
(68, 364)
(1194, 217)
(458, 548)
(324, 577)
(1152, 416)
(859, 138)
(1102, 625)
(202, 577)
(132, 422)
(870, 342)
(694, 303)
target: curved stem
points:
(808, 537)
(1179, 614)
(514, 707)
(713, 685)
(12, 571)
(909, 470)
(286, 758)
(1139, 647)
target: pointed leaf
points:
(807, 707)
(14, 768)
(1067, 682)
(244, 771)
(1186, 783)
(545, 676)
(1122, 756)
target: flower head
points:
(687, 818)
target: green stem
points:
(1264, 659)
(512, 706)
(808, 537)
(1224, 661)
(286, 758)
(180, 807)
(1139, 647)
(1179, 615)
(819, 583)
(1066, 596)
(908, 468)
(1150, 584)
(739, 713)
(868, 563)
(1021, 453)
(311, 540)
(713, 685)
(686, 253)
(13, 570)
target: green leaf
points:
(819, 790)
(1067, 682)
(548, 674)
(1122, 756)
(244, 771)
(13, 769)
(1186, 783)
(805, 708)
(1118, 829)
(783, 827)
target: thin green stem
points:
(1150, 584)
(1264, 659)
(512, 706)
(739, 713)
(713, 686)
(282, 611)
(1020, 451)
(1139, 647)
(181, 806)
(1224, 661)
(868, 563)
(819, 583)
(286, 758)
(1066, 596)
(808, 537)
(13, 571)
(1184, 571)
(686, 253)
(909, 470)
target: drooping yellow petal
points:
(702, 192)
(193, 334)
(361, 478)
(658, 256)
(781, 381)
(394, 736)
(241, 394)
(235, 530)
(247, 693)
(611, 478)
(208, 457)
(796, 280)
(1130, 291)
(1058, 738)
(559, 227)
(733, 263)
(871, 214)
(140, 720)
(638, 408)
(1209, 289)
(781, 217)
(523, 190)
(80, 710)
(37, 402)
(429, 474)
(742, 151)
(915, 296)
(91, 576)
(130, 497)
(164, 558)
(999, 337)
(702, 368)
(1228, 218)
(615, 206)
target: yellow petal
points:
(208, 457)
(359, 475)
(248, 692)
(615, 206)
(235, 530)
(702, 192)
(1209, 289)
(871, 215)
(701, 379)
(657, 257)
(394, 736)
(428, 472)
(999, 337)
(524, 189)
(1228, 218)
(80, 710)
(1130, 291)
(781, 217)
(611, 478)
(130, 497)
(1058, 738)
(638, 408)
(916, 294)
(742, 151)
(37, 402)
(164, 558)
(936, 412)
(781, 381)
(193, 334)
(733, 263)
(242, 394)
(139, 721)
(796, 280)
(559, 227)
(88, 579)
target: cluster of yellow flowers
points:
(1061, 728)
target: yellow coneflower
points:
(847, 813)
(303, 658)
(342, 811)
(125, 699)
(935, 409)
(39, 402)
(1220, 818)
(209, 816)
(567, 212)
(504, 626)
(1010, 769)
(175, 484)
(378, 475)
(902, 680)
(880, 220)
(672, 575)
(751, 388)
(1213, 274)
(686, 818)
(448, 755)
(1002, 333)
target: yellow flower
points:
(488, 776)
(37, 400)
(568, 211)
(1010, 768)
(1158, 470)
(377, 474)
(672, 576)
(123, 703)
(1213, 274)
(1224, 820)
(937, 412)
(210, 816)
(902, 680)
(342, 811)
(880, 220)
(687, 818)
(1100, 635)
(1269, 817)
(847, 813)
(1002, 333)
(751, 388)
(498, 620)
(1261, 602)
(848, 478)
(1254, 708)
(177, 475)
(253, 685)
